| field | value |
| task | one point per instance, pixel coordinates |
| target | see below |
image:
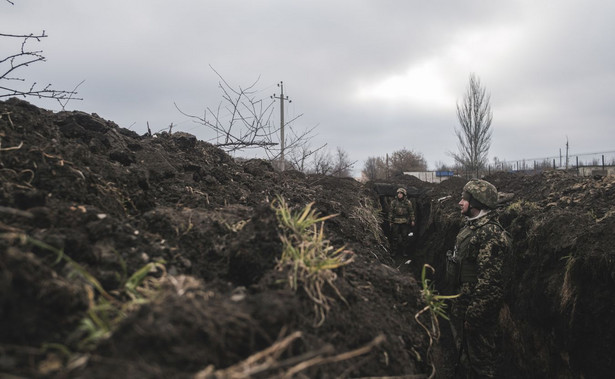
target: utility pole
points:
(567, 153)
(281, 98)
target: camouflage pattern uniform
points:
(481, 254)
(401, 215)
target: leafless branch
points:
(36, 36)
(71, 93)
(298, 156)
(10, 64)
(242, 121)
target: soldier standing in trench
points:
(476, 268)
(401, 220)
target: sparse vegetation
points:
(268, 360)
(436, 305)
(108, 309)
(307, 255)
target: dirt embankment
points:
(85, 204)
(558, 321)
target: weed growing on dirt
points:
(104, 315)
(436, 305)
(106, 311)
(307, 255)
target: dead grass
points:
(268, 360)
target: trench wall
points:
(557, 321)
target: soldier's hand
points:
(412, 223)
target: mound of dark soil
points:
(85, 204)
(79, 191)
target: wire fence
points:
(587, 164)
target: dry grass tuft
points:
(267, 361)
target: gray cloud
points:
(375, 76)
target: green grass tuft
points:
(307, 255)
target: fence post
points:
(603, 161)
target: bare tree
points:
(11, 84)
(406, 160)
(297, 146)
(240, 121)
(342, 167)
(243, 120)
(400, 161)
(374, 168)
(323, 163)
(298, 158)
(474, 135)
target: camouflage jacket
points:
(483, 251)
(401, 211)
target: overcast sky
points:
(374, 76)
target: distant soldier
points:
(401, 219)
(476, 270)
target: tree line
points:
(389, 166)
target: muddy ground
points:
(85, 204)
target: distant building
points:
(431, 176)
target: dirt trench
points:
(87, 205)
(82, 198)
(558, 310)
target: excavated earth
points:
(84, 204)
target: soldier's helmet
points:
(483, 191)
(402, 190)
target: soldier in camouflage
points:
(401, 219)
(476, 268)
